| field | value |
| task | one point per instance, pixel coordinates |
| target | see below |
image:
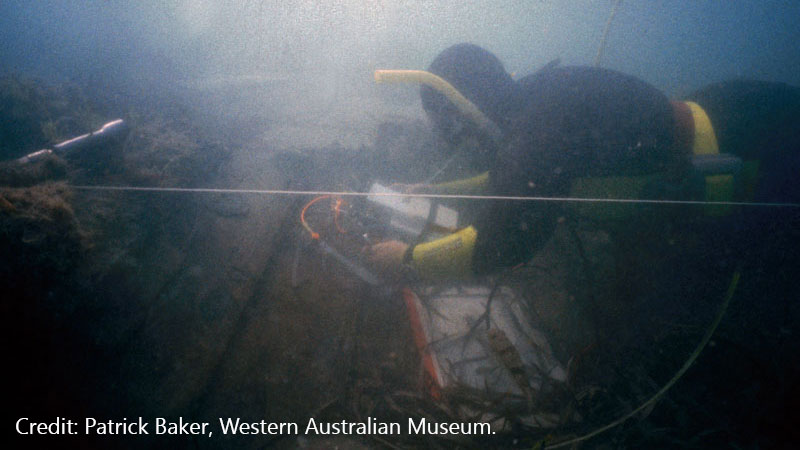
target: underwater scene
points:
(394, 224)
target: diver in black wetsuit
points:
(563, 124)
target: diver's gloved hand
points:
(386, 258)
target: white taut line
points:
(436, 196)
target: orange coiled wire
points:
(337, 205)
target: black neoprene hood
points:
(478, 75)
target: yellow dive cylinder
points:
(719, 187)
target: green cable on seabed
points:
(678, 375)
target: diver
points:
(594, 133)
(562, 126)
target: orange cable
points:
(314, 234)
(336, 210)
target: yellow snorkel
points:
(438, 83)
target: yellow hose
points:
(438, 83)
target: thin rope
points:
(605, 33)
(435, 196)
